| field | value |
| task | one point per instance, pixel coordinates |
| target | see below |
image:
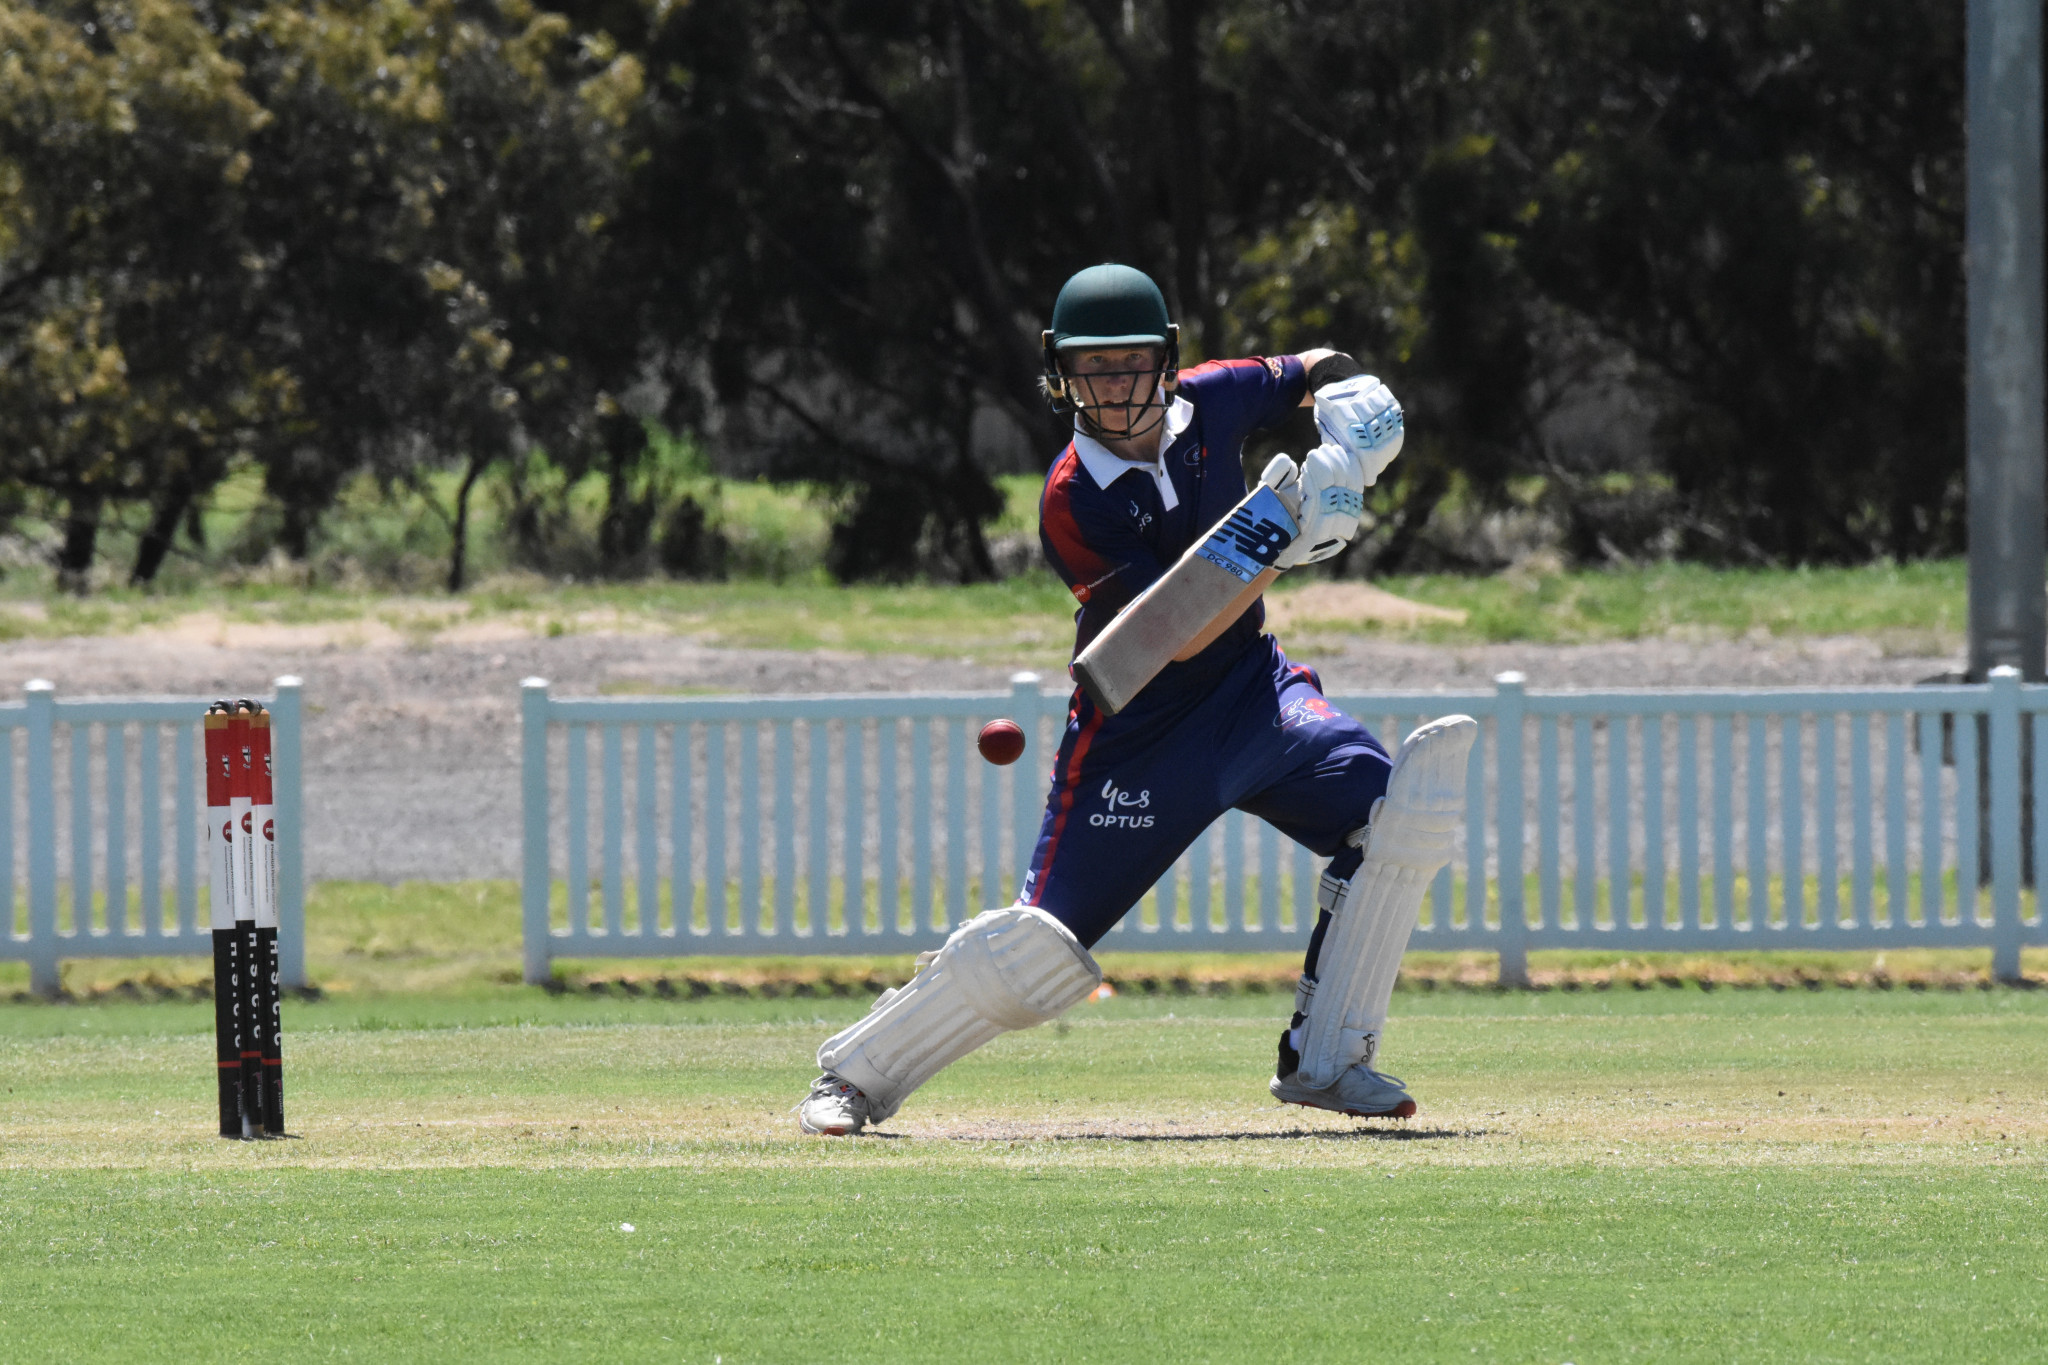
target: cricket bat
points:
(1161, 621)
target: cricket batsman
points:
(1154, 466)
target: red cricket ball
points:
(1001, 742)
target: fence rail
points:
(93, 865)
(1657, 820)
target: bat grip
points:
(1283, 476)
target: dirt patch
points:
(1350, 605)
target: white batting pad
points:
(1407, 843)
(1006, 969)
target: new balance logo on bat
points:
(1251, 537)
(1257, 537)
(1185, 600)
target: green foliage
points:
(476, 257)
(1762, 207)
(125, 364)
(314, 240)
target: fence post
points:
(1509, 829)
(534, 873)
(286, 749)
(2005, 823)
(1024, 790)
(43, 976)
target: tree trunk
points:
(624, 532)
(1415, 512)
(296, 533)
(81, 536)
(458, 552)
(171, 507)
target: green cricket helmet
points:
(1112, 305)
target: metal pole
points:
(2008, 613)
(2008, 608)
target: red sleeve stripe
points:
(1076, 561)
(1069, 787)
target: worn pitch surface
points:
(1663, 1174)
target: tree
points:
(1763, 206)
(451, 293)
(124, 368)
(819, 237)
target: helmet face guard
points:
(1112, 307)
(1139, 414)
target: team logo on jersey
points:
(1274, 364)
(1141, 516)
(1123, 809)
(1305, 711)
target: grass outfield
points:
(1909, 609)
(458, 944)
(1652, 1175)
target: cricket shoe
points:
(833, 1108)
(1359, 1091)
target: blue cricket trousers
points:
(1131, 791)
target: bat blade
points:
(1161, 621)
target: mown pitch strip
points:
(1667, 1176)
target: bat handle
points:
(1283, 476)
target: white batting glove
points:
(1332, 501)
(1360, 414)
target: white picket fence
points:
(100, 826)
(1704, 819)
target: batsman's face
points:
(1114, 377)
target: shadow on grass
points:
(1359, 1134)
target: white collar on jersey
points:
(1107, 467)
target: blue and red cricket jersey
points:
(1235, 726)
(1110, 527)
